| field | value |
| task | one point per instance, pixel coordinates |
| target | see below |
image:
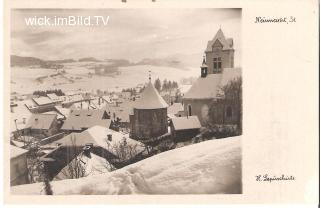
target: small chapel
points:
(149, 118)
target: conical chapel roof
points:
(150, 99)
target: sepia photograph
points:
(126, 101)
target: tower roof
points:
(226, 43)
(150, 99)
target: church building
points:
(217, 70)
(149, 119)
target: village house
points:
(175, 110)
(42, 125)
(116, 148)
(69, 100)
(119, 113)
(40, 105)
(183, 128)
(82, 119)
(216, 71)
(149, 118)
(54, 98)
(19, 116)
(18, 166)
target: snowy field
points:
(210, 167)
(23, 80)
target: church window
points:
(189, 110)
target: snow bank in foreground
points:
(210, 167)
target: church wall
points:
(199, 107)
(217, 114)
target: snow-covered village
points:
(118, 126)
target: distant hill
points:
(24, 61)
(88, 59)
(32, 61)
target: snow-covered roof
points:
(150, 99)
(209, 167)
(189, 122)
(59, 116)
(84, 118)
(92, 165)
(73, 98)
(175, 108)
(19, 114)
(53, 97)
(184, 88)
(205, 87)
(63, 111)
(209, 87)
(226, 43)
(107, 98)
(41, 121)
(42, 100)
(98, 135)
(16, 151)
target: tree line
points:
(166, 85)
(58, 92)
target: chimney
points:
(87, 149)
(109, 136)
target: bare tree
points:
(76, 168)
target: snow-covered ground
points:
(210, 167)
(23, 80)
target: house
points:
(42, 104)
(183, 128)
(206, 92)
(19, 116)
(149, 118)
(54, 98)
(69, 100)
(116, 148)
(63, 111)
(120, 112)
(81, 119)
(176, 109)
(42, 125)
(86, 163)
(18, 166)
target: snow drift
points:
(210, 167)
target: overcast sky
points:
(131, 34)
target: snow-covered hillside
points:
(210, 167)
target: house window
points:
(229, 112)
(217, 65)
(189, 110)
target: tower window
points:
(217, 64)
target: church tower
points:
(219, 53)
